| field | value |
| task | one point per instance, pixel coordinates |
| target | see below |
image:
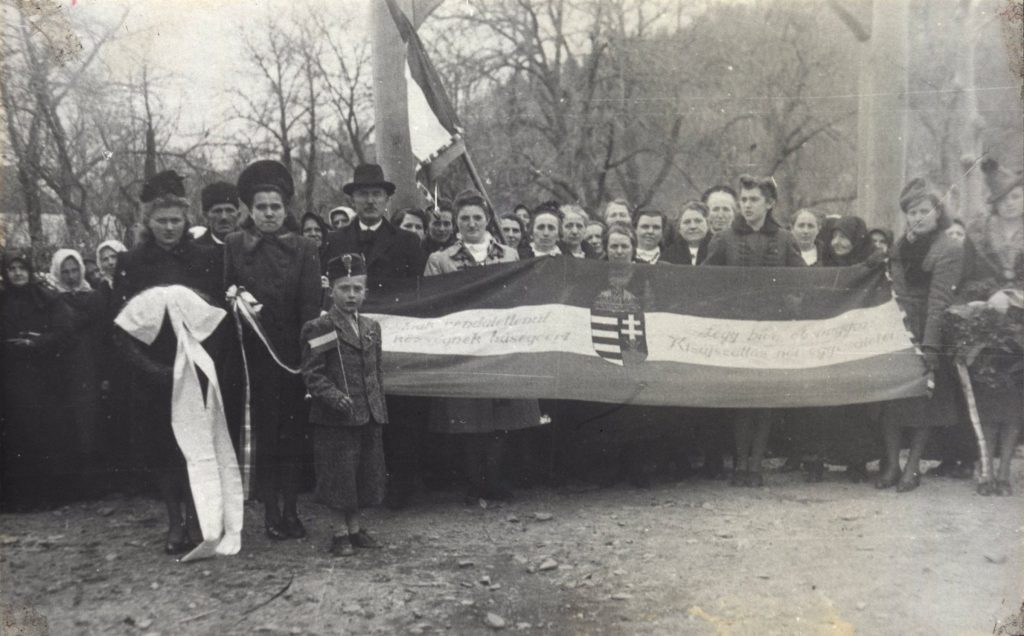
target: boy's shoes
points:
(341, 546)
(362, 539)
(293, 527)
(909, 482)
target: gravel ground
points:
(691, 557)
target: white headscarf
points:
(113, 244)
(58, 259)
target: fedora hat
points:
(369, 175)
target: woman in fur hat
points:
(281, 269)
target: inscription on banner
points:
(855, 335)
(482, 332)
(750, 344)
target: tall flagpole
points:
(390, 105)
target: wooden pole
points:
(882, 115)
(971, 181)
(390, 105)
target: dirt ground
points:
(690, 557)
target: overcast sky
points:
(194, 44)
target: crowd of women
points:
(86, 409)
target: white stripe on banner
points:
(604, 320)
(743, 344)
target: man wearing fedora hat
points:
(390, 253)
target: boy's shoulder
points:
(368, 323)
(318, 325)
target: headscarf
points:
(33, 290)
(324, 228)
(15, 256)
(58, 259)
(113, 244)
(853, 228)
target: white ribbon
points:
(198, 420)
(244, 305)
(246, 308)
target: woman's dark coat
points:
(151, 366)
(924, 302)
(37, 442)
(678, 253)
(82, 368)
(282, 271)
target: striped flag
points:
(322, 343)
(662, 335)
(434, 128)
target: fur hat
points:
(217, 193)
(162, 190)
(262, 176)
(918, 189)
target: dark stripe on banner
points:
(878, 378)
(754, 293)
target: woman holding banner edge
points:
(482, 423)
(926, 267)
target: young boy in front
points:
(341, 365)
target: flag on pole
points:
(434, 128)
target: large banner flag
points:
(662, 335)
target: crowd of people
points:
(87, 409)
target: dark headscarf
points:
(324, 228)
(884, 232)
(856, 230)
(32, 290)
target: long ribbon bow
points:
(246, 310)
(198, 420)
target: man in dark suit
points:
(391, 253)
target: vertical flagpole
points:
(391, 110)
(478, 183)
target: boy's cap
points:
(346, 265)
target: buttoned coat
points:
(283, 272)
(740, 245)
(350, 367)
(394, 253)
